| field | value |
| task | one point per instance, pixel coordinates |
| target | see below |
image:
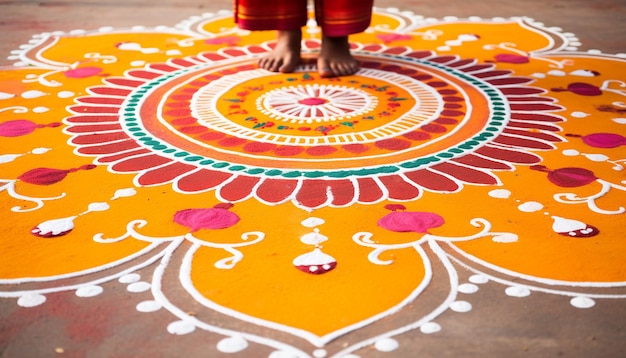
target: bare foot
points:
(286, 55)
(335, 58)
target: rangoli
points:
(294, 211)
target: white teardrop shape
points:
(467, 37)
(65, 94)
(232, 344)
(140, 286)
(55, 227)
(312, 222)
(461, 306)
(430, 328)
(597, 157)
(40, 150)
(580, 114)
(517, 291)
(124, 193)
(148, 306)
(583, 73)
(40, 109)
(98, 206)
(33, 94)
(562, 225)
(89, 291)
(386, 345)
(500, 193)
(315, 257)
(468, 288)
(505, 238)
(129, 46)
(530, 207)
(4, 95)
(557, 73)
(315, 262)
(313, 238)
(7, 158)
(582, 302)
(181, 327)
(479, 279)
(31, 300)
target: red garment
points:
(335, 17)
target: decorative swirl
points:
(229, 262)
(9, 186)
(572, 198)
(365, 239)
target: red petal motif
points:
(93, 128)
(342, 191)
(461, 63)
(140, 163)
(164, 174)
(240, 188)
(494, 73)
(101, 100)
(124, 82)
(538, 117)
(99, 138)
(109, 91)
(108, 148)
(181, 62)
(164, 67)
(532, 134)
(369, 190)
(276, 191)
(143, 74)
(510, 81)
(119, 156)
(399, 189)
(509, 155)
(527, 107)
(467, 175)
(201, 180)
(313, 193)
(480, 162)
(522, 142)
(433, 181)
(91, 109)
(539, 126)
(93, 119)
(521, 91)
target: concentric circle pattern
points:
(407, 121)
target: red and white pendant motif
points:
(315, 262)
(573, 228)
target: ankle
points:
(289, 36)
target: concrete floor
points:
(536, 329)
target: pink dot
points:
(312, 101)
(82, 72)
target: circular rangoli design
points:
(407, 122)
